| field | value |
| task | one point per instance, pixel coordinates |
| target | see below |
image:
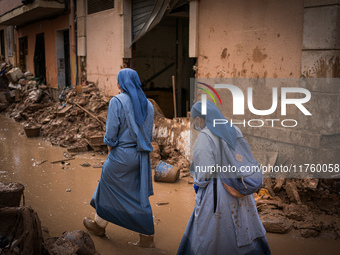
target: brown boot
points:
(93, 227)
(145, 241)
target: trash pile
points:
(12, 79)
(305, 207)
(76, 122)
(170, 156)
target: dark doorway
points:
(63, 58)
(39, 57)
(160, 54)
(23, 54)
(67, 58)
(161, 51)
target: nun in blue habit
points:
(230, 225)
(122, 194)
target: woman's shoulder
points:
(120, 99)
(205, 137)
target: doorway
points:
(63, 58)
(160, 54)
(39, 58)
(23, 54)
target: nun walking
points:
(122, 194)
(222, 223)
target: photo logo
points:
(295, 96)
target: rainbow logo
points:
(208, 92)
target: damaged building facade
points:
(38, 36)
(91, 40)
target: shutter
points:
(141, 11)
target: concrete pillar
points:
(125, 11)
(193, 29)
(81, 40)
(10, 44)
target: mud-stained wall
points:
(241, 38)
(104, 35)
(49, 28)
(320, 59)
(278, 39)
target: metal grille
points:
(94, 6)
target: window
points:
(94, 6)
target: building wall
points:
(49, 28)
(251, 39)
(278, 39)
(104, 37)
(241, 38)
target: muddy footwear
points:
(145, 241)
(93, 227)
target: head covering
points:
(128, 80)
(225, 131)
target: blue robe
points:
(122, 194)
(235, 227)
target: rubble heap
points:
(171, 156)
(73, 122)
(305, 207)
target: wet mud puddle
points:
(60, 193)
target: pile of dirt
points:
(307, 207)
(70, 123)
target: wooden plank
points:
(61, 160)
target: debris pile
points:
(307, 207)
(171, 156)
(75, 242)
(76, 122)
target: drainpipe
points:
(73, 55)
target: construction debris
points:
(300, 207)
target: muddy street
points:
(60, 193)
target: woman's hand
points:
(233, 191)
(109, 150)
